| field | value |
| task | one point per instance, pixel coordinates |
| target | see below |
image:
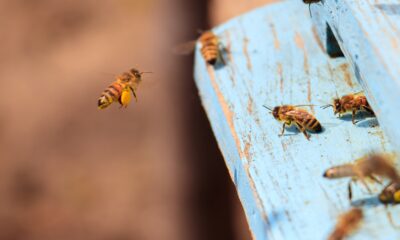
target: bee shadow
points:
(294, 131)
(366, 202)
(364, 119)
(368, 123)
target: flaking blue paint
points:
(279, 179)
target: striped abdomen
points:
(209, 47)
(305, 119)
(346, 170)
(312, 124)
(110, 94)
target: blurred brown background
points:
(71, 171)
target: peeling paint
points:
(347, 78)
(280, 74)
(246, 53)
(225, 108)
(275, 35)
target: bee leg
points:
(375, 179)
(303, 130)
(366, 185)
(283, 129)
(353, 116)
(134, 93)
(369, 110)
(350, 192)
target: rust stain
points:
(347, 77)
(250, 105)
(309, 94)
(316, 36)
(299, 40)
(275, 35)
(229, 46)
(280, 73)
(230, 57)
(246, 53)
(246, 150)
(229, 117)
(225, 108)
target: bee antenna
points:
(326, 106)
(145, 72)
(267, 108)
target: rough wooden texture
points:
(368, 33)
(274, 57)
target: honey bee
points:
(351, 103)
(211, 49)
(365, 167)
(347, 223)
(391, 193)
(289, 114)
(121, 89)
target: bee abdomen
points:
(313, 125)
(110, 94)
(210, 53)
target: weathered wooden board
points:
(368, 32)
(275, 57)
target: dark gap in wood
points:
(332, 45)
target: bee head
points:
(275, 112)
(330, 173)
(136, 73)
(337, 106)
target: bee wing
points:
(184, 48)
(359, 93)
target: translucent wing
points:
(184, 48)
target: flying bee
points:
(350, 103)
(365, 167)
(347, 224)
(289, 114)
(121, 89)
(391, 193)
(211, 48)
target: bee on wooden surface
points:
(368, 166)
(391, 193)
(121, 89)
(351, 103)
(347, 224)
(211, 49)
(301, 118)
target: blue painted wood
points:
(275, 57)
(368, 33)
